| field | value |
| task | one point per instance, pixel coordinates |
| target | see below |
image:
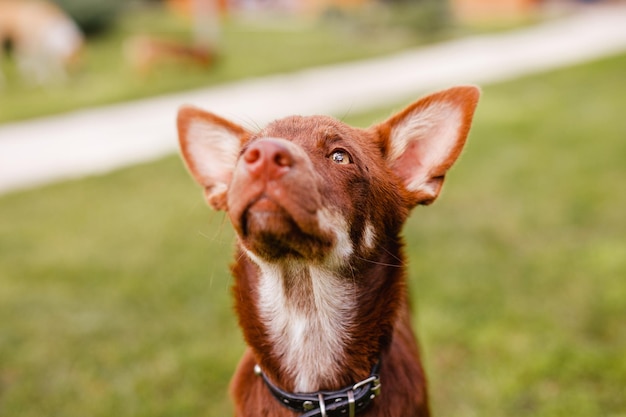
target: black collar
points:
(346, 402)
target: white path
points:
(99, 140)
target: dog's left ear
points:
(210, 146)
(422, 142)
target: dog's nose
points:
(268, 157)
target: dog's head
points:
(316, 189)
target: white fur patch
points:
(214, 151)
(369, 236)
(336, 224)
(309, 335)
(309, 326)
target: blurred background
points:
(81, 53)
(114, 288)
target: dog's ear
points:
(422, 142)
(210, 147)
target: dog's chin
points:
(272, 234)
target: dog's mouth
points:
(263, 216)
(271, 231)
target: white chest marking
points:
(309, 326)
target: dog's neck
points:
(309, 313)
(318, 328)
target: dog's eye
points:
(340, 157)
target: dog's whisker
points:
(240, 257)
(252, 124)
(379, 263)
(346, 113)
(209, 238)
(393, 256)
(219, 232)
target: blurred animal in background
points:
(45, 41)
(145, 53)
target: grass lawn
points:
(114, 290)
(247, 48)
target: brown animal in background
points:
(320, 274)
(46, 42)
(145, 53)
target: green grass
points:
(114, 290)
(247, 49)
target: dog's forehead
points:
(303, 129)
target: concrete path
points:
(99, 140)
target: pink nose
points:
(267, 157)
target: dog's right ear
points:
(210, 146)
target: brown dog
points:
(320, 288)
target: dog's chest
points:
(308, 313)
